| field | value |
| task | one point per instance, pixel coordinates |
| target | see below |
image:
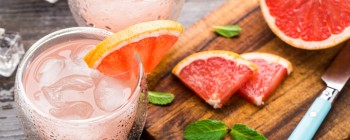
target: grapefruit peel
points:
(271, 58)
(209, 54)
(130, 35)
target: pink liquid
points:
(60, 85)
(115, 15)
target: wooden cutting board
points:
(283, 110)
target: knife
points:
(335, 78)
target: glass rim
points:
(54, 35)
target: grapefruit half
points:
(272, 69)
(214, 75)
(151, 40)
(308, 24)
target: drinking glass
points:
(40, 125)
(115, 15)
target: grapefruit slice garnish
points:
(308, 24)
(272, 69)
(214, 75)
(151, 40)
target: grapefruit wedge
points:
(214, 75)
(272, 69)
(308, 24)
(151, 40)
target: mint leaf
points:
(228, 30)
(160, 98)
(243, 132)
(205, 130)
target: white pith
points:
(333, 40)
(215, 103)
(271, 58)
(258, 100)
(209, 54)
(136, 39)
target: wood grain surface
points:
(282, 111)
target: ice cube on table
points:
(73, 110)
(49, 70)
(11, 51)
(73, 86)
(110, 94)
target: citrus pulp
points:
(272, 69)
(214, 75)
(308, 24)
(151, 40)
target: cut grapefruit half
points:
(308, 24)
(214, 75)
(272, 69)
(151, 40)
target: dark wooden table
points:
(35, 18)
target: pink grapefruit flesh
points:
(272, 70)
(214, 75)
(308, 24)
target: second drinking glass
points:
(115, 15)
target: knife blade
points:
(335, 77)
(338, 72)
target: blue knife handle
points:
(313, 118)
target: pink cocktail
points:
(115, 15)
(59, 97)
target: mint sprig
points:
(216, 130)
(243, 132)
(205, 130)
(160, 98)
(228, 30)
